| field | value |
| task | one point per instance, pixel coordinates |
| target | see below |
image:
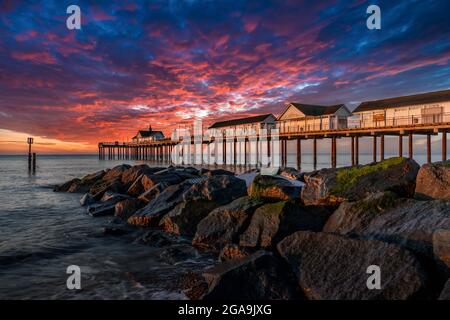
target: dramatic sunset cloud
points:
(164, 63)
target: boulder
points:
(183, 219)
(233, 251)
(114, 231)
(65, 187)
(291, 173)
(149, 181)
(274, 221)
(107, 205)
(260, 276)
(150, 215)
(433, 181)
(407, 222)
(445, 294)
(153, 192)
(441, 250)
(101, 187)
(274, 188)
(126, 208)
(352, 217)
(224, 224)
(114, 197)
(116, 172)
(87, 199)
(220, 189)
(334, 186)
(136, 188)
(130, 175)
(331, 267)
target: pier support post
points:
(356, 150)
(400, 145)
(382, 147)
(315, 153)
(444, 145)
(410, 143)
(428, 148)
(333, 152)
(353, 151)
(374, 151)
(299, 153)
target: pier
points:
(159, 151)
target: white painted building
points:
(425, 108)
(147, 136)
(298, 117)
(265, 121)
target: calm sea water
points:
(42, 233)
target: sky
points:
(161, 63)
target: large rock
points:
(81, 185)
(274, 188)
(179, 253)
(102, 186)
(150, 215)
(183, 219)
(441, 249)
(116, 172)
(126, 208)
(224, 224)
(331, 267)
(216, 172)
(66, 186)
(153, 192)
(334, 186)
(433, 181)
(273, 222)
(158, 238)
(406, 222)
(234, 251)
(291, 173)
(107, 205)
(149, 181)
(130, 175)
(220, 189)
(256, 277)
(353, 217)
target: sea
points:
(42, 233)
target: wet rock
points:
(224, 224)
(100, 188)
(116, 173)
(333, 186)
(136, 188)
(107, 205)
(331, 267)
(220, 189)
(150, 215)
(153, 192)
(441, 250)
(183, 219)
(110, 196)
(157, 238)
(259, 276)
(352, 217)
(291, 173)
(272, 222)
(274, 188)
(407, 222)
(126, 208)
(445, 294)
(233, 251)
(433, 181)
(65, 187)
(149, 181)
(192, 284)
(130, 175)
(87, 199)
(179, 253)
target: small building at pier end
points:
(147, 136)
(414, 110)
(299, 117)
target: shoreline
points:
(258, 227)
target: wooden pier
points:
(159, 151)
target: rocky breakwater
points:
(282, 234)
